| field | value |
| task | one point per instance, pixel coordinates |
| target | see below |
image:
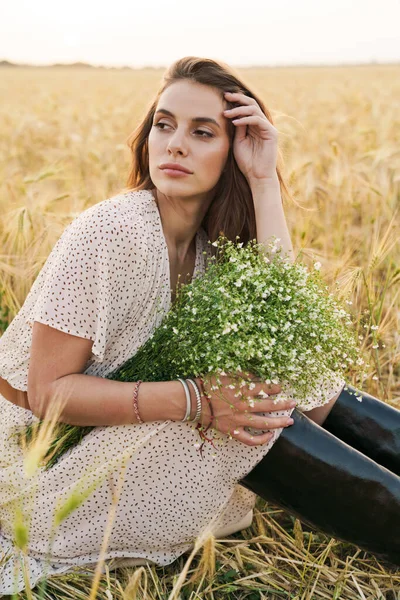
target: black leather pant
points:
(342, 478)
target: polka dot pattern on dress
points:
(106, 279)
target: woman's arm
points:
(270, 218)
(97, 401)
(13, 395)
(56, 375)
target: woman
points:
(97, 300)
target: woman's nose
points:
(177, 142)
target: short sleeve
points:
(92, 276)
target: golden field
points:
(63, 135)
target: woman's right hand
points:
(232, 414)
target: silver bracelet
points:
(198, 397)
(188, 402)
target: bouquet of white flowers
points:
(252, 311)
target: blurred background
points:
(143, 34)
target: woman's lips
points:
(174, 172)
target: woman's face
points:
(201, 146)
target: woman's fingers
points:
(264, 388)
(251, 440)
(261, 422)
(266, 405)
(260, 388)
(251, 378)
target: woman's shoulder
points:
(123, 220)
(124, 209)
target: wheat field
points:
(63, 147)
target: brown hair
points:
(232, 209)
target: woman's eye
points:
(205, 133)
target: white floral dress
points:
(103, 281)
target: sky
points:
(154, 33)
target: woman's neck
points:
(180, 224)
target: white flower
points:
(174, 329)
(317, 266)
(374, 327)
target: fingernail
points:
(292, 404)
(290, 421)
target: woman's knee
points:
(320, 413)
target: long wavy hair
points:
(232, 209)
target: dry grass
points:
(276, 558)
(63, 147)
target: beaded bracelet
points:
(135, 401)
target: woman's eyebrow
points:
(196, 119)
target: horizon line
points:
(10, 64)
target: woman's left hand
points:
(255, 145)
